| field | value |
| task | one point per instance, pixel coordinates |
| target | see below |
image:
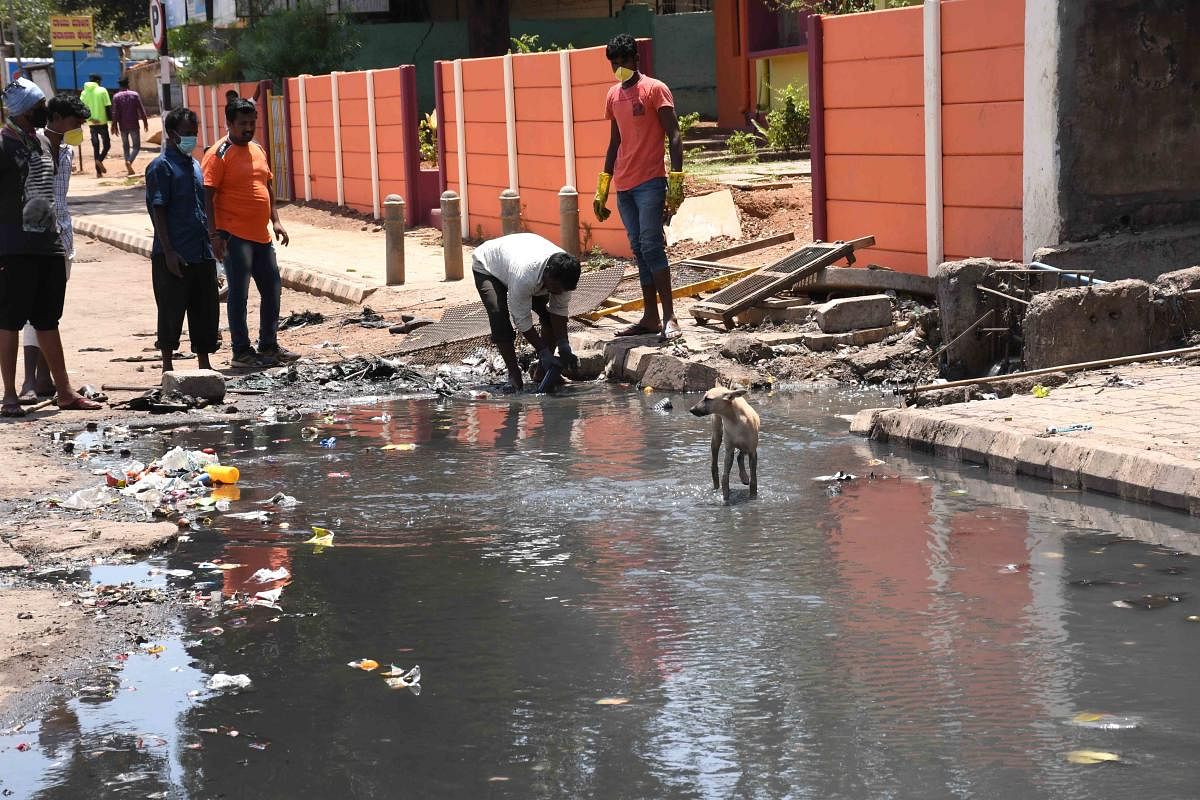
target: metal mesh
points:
(742, 289)
(469, 321)
(799, 259)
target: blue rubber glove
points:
(548, 360)
(549, 380)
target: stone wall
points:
(1129, 83)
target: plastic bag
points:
(222, 682)
(87, 499)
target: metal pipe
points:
(1002, 295)
(1069, 275)
(1107, 362)
(816, 130)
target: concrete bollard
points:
(452, 235)
(393, 226)
(568, 220)
(510, 212)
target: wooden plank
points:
(689, 290)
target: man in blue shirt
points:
(182, 264)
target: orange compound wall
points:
(209, 104)
(395, 137)
(542, 164)
(874, 169)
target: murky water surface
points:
(928, 633)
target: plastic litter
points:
(282, 500)
(222, 473)
(179, 460)
(222, 682)
(252, 516)
(265, 575)
(88, 499)
(365, 664)
(1105, 722)
(404, 446)
(1054, 430)
(1040, 391)
(399, 679)
(330, 442)
(664, 405)
(837, 476)
(1091, 757)
(321, 537)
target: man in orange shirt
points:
(237, 180)
(642, 113)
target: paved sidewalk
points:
(1144, 443)
(346, 265)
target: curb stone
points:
(293, 276)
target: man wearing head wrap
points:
(33, 269)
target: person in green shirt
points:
(96, 98)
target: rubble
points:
(207, 384)
(855, 313)
(1075, 325)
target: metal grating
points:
(798, 259)
(742, 289)
(469, 321)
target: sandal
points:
(80, 404)
(27, 398)
(636, 329)
(12, 410)
(671, 331)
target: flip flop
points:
(80, 404)
(27, 398)
(636, 329)
(671, 331)
(12, 410)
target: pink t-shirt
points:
(635, 109)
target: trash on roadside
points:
(1117, 380)
(1039, 391)
(404, 446)
(1104, 722)
(365, 664)
(330, 442)
(222, 682)
(299, 319)
(89, 499)
(837, 476)
(153, 649)
(265, 575)
(221, 473)
(1055, 430)
(1091, 757)
(251, 516)
(1150, 601)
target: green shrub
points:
(687, 122)
(787, 126)
(742, 143)
(427, 137)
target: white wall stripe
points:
(372, 135)
(460, 125)
(1041, 214)
(337, 138)
(510, 121)
(933, 135)
(203, 116)
(216, 118)
(304, 138)
(564, 79)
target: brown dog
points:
(732, 417)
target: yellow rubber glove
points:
(599, 204)
(674, 191)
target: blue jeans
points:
(244, 260)
(131, 144)
(641, 210)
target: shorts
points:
(29, 334)
(32, 289)
(494, 295)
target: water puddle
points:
(590, 621)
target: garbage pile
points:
(177, 485)
(344, 374)
(158, 401)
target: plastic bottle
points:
(222, 474)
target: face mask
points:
(623, 73)
(187, 144)
(73, 138)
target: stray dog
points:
(733, 416)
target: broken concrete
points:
(207, 384)
(872, 279)
(1071, 326)
(672, 374)
(855, 313)
(960, 304)
(1130, 255)
(775, 311)
(591, 366)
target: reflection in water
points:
(917, 635)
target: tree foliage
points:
(211, 54)
(305, 39)
(115, 20)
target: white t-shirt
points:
(518, 261)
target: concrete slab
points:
(1143, 444)
(705, 217)
(855, 313)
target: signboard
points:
(72, 32)
(158, 25)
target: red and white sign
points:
(158, 25)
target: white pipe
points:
(304, 138)
(564, 79)
(1041, 215)
(203, 115)
(374, 142)
(510, 121)
(934, 232)
(337, 139)
(460, 125)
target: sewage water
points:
(928, 632)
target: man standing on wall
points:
(96, 98)
(241, 202)
(642, 113)
(127, 111)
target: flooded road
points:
(591, 621)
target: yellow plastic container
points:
(222, 474)
(226, 492)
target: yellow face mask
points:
(73, 138)
(623, 73)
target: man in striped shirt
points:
(33, 269)
(64, 131)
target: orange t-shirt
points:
(635, 109)
(240, 176)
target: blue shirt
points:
(174, 182)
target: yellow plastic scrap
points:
(365, 664)
(322, 537)
(406, 446)
(1040, 391)
(1091, 757)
